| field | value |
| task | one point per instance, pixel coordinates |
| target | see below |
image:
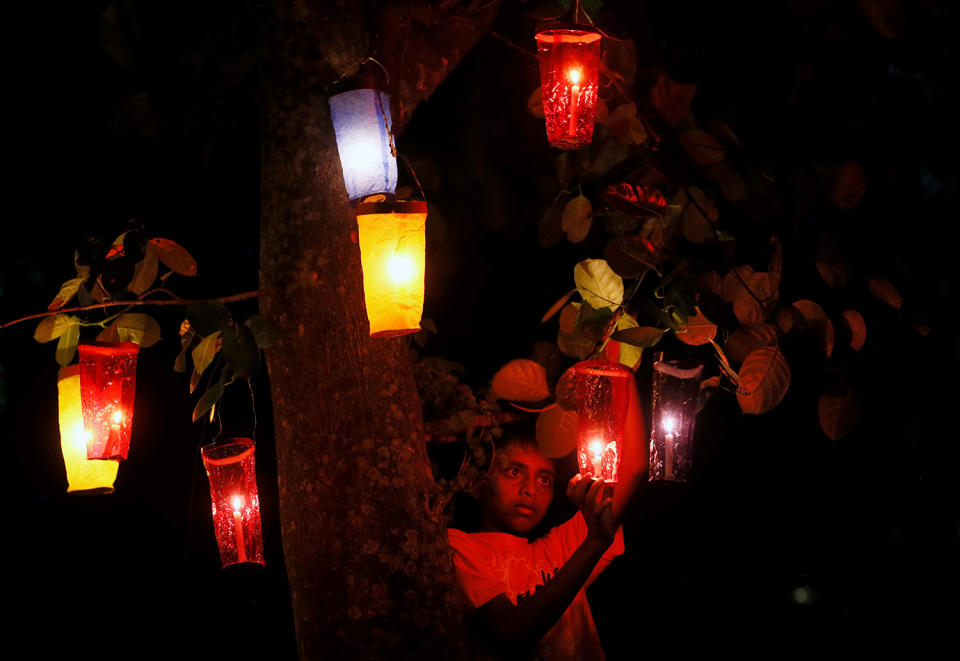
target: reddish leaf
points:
(566, 390)
(886, 292)
(747, 339)
(886, 17)
(849, 185)
(731, 184)
(521, 380)
(702, 147)
(764, 379)
(634, 199)
(557, 432)
(856, 328)
(630, 256)
(816, 322)
(839, 411)
(710, 282)
(698, 329)
(535, 103)
(173, 255)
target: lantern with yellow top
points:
(392, 253)
(83, 475)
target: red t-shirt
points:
(489, 564)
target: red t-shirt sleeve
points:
(478, 580)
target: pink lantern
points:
(675, 392)
(108, 376)
(602, 394)
(236, 505)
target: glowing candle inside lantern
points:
(574, 76)
(669, 428)
(596, 457)
(238, 528)
(400, 268)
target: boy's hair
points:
(522, 433)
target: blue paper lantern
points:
(361, 119)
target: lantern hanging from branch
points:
(392, 253)
(361, 120)
(602, 394)
(675, 392)
(83, 475)
(569, 75)
(108, 375)
(236, 505)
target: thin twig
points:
(174, 301)
(495, 34)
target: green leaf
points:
(204, 352)
(267, 335)
(241, 351)
(208, 318)
(67, 345)
(67, 291)
(173, 255)
(598, 284)
(211, 397)
(138, 328)
(641, 336)
(53, 327)
(144, 274)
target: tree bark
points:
(369, 568)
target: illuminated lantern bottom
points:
(108, 376)
(602, 392)
(83, 475)
(236, 505)
(392, 247)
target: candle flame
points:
(117, 417)
(574, 76)
(237, 503)
(596, 447)
(400, 268)
(669, 425)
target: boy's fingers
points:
(572, 485)
(583, 486)
(595, 489)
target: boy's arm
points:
(533, 616)
(633, 464)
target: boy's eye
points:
(546, 481)
(512, 472)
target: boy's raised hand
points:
(593, 497)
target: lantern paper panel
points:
(569, 75)
(108, 375)
(392, 253)
(675, 392)
(362, 122)
(236, 504)
(602, 394)
(83, 475)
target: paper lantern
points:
(392, 247)
(236, 505)
(108, 375)
(569, 74)
(361, 120)
(602, 394)
(83, 475)
(675, 392)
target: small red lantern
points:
(602, 394)
(676, 388)
(236, 505)
(569, 74)
(108, 376)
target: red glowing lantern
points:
(602, 393)
(108, 376)
(236, 505)
(569, 74)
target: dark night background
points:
(151, 110)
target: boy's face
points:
(518, 491)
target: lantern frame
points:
(602, 399)
(393, 291)
(235, 500)
(108, 378)
(570, 56)
(675, 390)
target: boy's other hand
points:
(594, 499)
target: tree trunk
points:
(369, 568)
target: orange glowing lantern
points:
(392, 253)
(676, 388)
(236, 505)
(83, 475)
(108, 376)
(569, 74)
(602, 393)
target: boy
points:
(526, 599)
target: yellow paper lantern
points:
(392, 247)
(89, 475)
